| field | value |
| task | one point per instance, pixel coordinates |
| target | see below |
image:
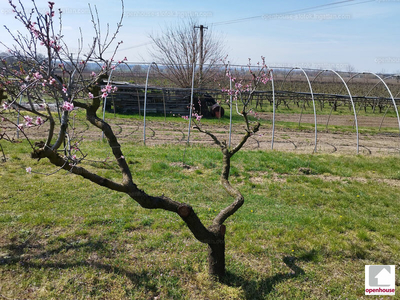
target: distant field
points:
(335, 134)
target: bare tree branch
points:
(177, 48)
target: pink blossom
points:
(238, 85)
(104, 95)
(91, 96)
(28, 121)
(64, 89)
(39, 121)
(6, 105)
(29, 170)
(52, 81)
(28, 118)
(198, 118)
(74, 157)
(20, 127)
(265, 80)
(37, 76)
(68, 106)
(93, 74)
(108, 89)
(185, 117)
(35, 32)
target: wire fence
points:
(309, 96)
(289, 86)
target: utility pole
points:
(201, 27)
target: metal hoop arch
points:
(312, 98)
(391, 96)
(351, 100)
(273, 109)
(387, 88)
(145, 101)
(105, 100)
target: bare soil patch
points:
(331, 178)
(168, 132)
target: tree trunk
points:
(216, 252)
(216, 259)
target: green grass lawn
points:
(309, 225)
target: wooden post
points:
(201, 27)
(165, 112)
(138, 100)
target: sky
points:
(357, 35)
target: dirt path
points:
(345, 120)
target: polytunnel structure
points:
(345, 94)
(319, 98)
(381, 81)
(312, 98)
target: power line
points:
(308, 9)
(336, 4)
(137, 46)
(287, 12)
(351, 4)
(132, 47)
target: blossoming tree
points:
(64, 79)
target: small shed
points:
(129, 99)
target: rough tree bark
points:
(216, 247)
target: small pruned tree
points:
(178, 47)
(61, 79)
